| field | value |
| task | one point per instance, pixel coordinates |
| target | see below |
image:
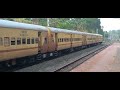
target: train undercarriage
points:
(42, 57)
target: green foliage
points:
(106, 34)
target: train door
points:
(51, 41)
(7, 45)
(71, 40)
(39, 42)
(56, 41)
(92, 39)
(84, 42)
(44, 42)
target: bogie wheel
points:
(8, 64)
(55, 53)
(39, 57)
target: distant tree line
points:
(114, 34)
(91, 25)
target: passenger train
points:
(22, 43)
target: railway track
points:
(81, 60)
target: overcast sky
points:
(110, 23)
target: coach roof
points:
(13, 24)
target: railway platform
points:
(107, 60)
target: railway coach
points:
(19, 40)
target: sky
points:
(110, 23)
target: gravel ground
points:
(54, 64)
(106, 61)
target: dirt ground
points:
(107, 60)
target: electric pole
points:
(97, 31)
(48, 22)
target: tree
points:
(35, 20)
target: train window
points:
(68, 39)
(1, 41)
(6, 41)
(59, 39)
(23, 40)
(12, 41)
(63, 40)
(37, 40)
(18, 41)
(39, 33)
(28, 40)
(45, 41)
(32, 41)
